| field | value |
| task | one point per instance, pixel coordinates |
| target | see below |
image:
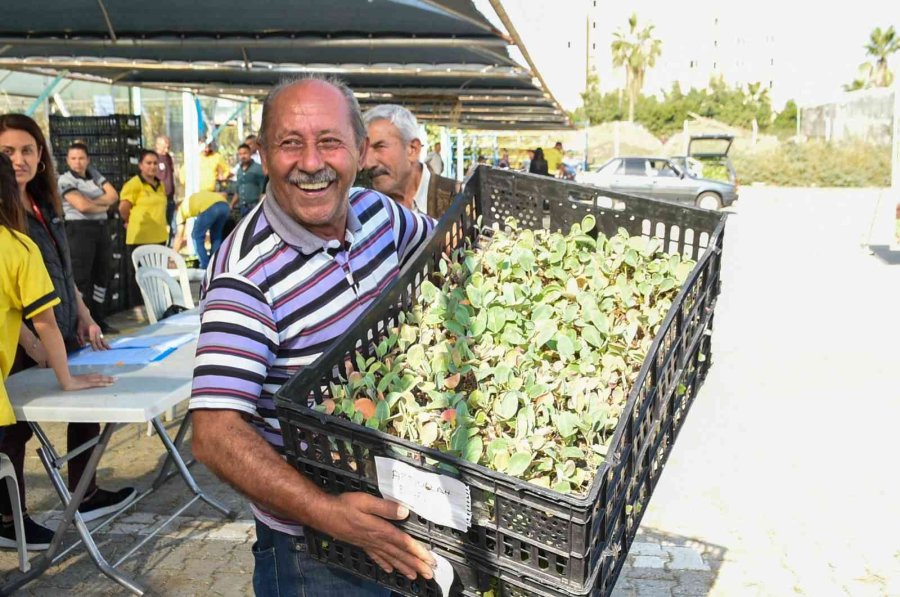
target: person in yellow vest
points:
(143, 209)
(211, 211)
(213, 167)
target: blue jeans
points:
(212, 220)
(283, 568)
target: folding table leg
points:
(178, 461)
(70, 514)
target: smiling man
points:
(393, 162)
(292, 277)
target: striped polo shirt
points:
(277, 295)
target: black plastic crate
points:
(472, 578)
(519, 528)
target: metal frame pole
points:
(48, 90)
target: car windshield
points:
(610, 167)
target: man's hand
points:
(89, 332)
(359, 519)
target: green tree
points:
(881, 45)
(637, 51)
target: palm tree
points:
(637, 51)
(881, 45)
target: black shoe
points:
(108, 329)
(37, 537)
(106, 502)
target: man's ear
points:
(262, 161)
(363, 149)
(415, 150)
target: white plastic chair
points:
(159, 291)
(8, 472)
(158, 256)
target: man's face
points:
(254, 147)
(437, 148)
(162, 145)
(77, 161)
(311, 155)
(244, 155)
(391, 162)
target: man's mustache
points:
(326, 174)
(378, 171)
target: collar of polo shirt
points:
(294, 234)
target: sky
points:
(807, 50)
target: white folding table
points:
(141, 394)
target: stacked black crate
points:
(114, 143)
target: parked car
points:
(707, 157)
(661, 178)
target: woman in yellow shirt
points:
(143, 209)
(26, 292)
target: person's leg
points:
(283, 568)
(97, 501)
(134, 292)
(100, 270)
(201, 225)
(76, 435)
(82, 249)
(170, 218)
(217, 229)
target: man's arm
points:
(235, 452)
(109, 194)
(85, 205)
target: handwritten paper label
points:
(441, 499)
(443, 574)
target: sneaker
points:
(108, 329)
(105, 502)
(37, 537)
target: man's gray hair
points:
(399, 116)
(355, 115)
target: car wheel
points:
(709, 200)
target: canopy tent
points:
(443, 59)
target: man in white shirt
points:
(393, 162)
(434, 161)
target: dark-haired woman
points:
(22, 140)
(142, 206)
(539, 163)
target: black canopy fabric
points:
(441, 58)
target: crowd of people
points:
(296, 251)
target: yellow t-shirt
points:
(25, 291)
(147, 222)
(212, 167)
(198, 203)
(553, 157)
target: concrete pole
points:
(445, 150)
(687, 137)
(134, 95)
(191, 144)
(616, 125)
